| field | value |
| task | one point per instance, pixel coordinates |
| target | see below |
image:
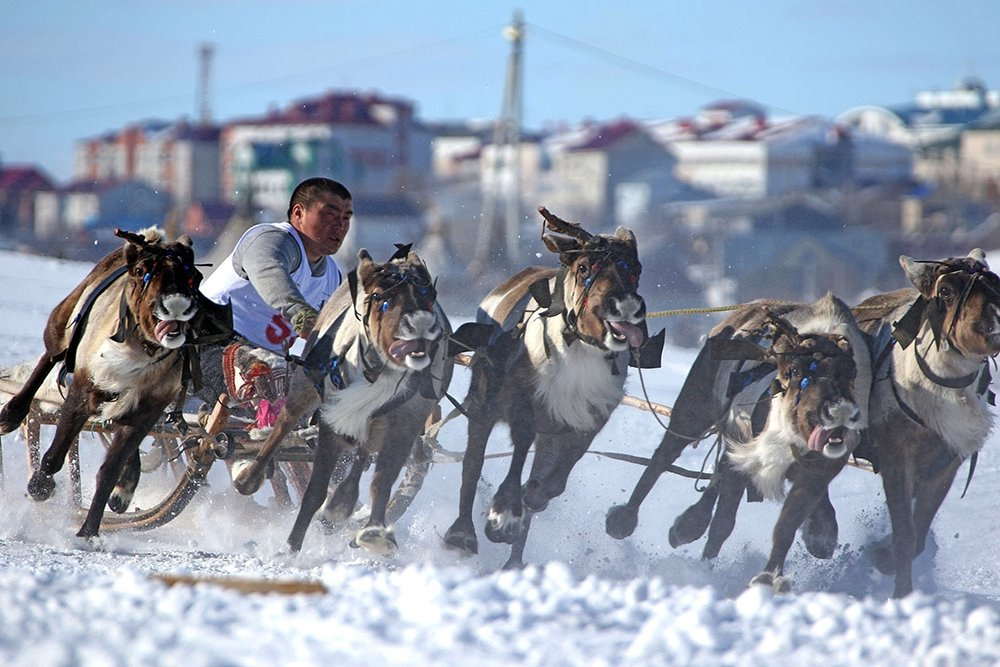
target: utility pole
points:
(503, 237)
(205, 53)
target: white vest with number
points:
(254, 319)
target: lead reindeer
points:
(378, 368)
(125, 333)
(930, 400)
(791, 409)
(553, 366)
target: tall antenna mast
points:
(205, 53)
(506, 165)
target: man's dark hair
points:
(307, 192)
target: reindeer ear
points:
(625, 234)
(843, 343)
(979, 255)
(921, 274)
(366, 265)
(184, 239)
(562, 246)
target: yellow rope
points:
(720, 309)
(689, 311)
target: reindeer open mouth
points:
(171, 313)
(828, 441)
(410, 352)
(620, 331)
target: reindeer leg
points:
(329, 445)
(482, 412)
(732, 486)
(819, 533)
(692, 416)
(553, 463)
(504, 522)
(807, 489)
(927, 498)
(515, 561)
(375, 537)
(692, 523)
(124, 447)
(302, 398)
(128, 481)
(72, 417)
(341, 505)
(17, 408)
(897, 482)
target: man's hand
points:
(304, 321)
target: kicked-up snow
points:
(586, 599)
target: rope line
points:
(722, 309)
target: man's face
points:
(323, 225)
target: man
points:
(277, 278)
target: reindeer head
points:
(398, 300)
(600, 284)
(815, 384)
(960, 302)
(161, 289)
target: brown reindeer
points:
(789, 410)
(124, 334)
(929, 404)
(553, 366)
(378, 367)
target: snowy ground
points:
(587, 600)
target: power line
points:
(637, 66)
(495, 29)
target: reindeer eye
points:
(946, 293)
(583, 269)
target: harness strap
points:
(951, 383)
(80, 324)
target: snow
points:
(585, 599)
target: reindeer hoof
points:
(118, 503)
(533, 499)
(378, 540)
(248, 477)
(882, 555)
(503, 527)
(819, 540)
(777, 583)
(41, 486)
(621, 521)
(461, 539)
(9, 421)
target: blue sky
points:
(70, 70)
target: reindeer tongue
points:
(629, 330)
(400, 348)
(818, 438)
(165, 328)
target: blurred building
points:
(19, 184)
(373, 144)
(179, 159)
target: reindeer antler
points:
(560, 226)
(132, 237)
(784, 327)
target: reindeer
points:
(378, 367)
(929, 403)
(125, 335)
(794, 412)
(551, 357)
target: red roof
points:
(604, 136)
(24, 177)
